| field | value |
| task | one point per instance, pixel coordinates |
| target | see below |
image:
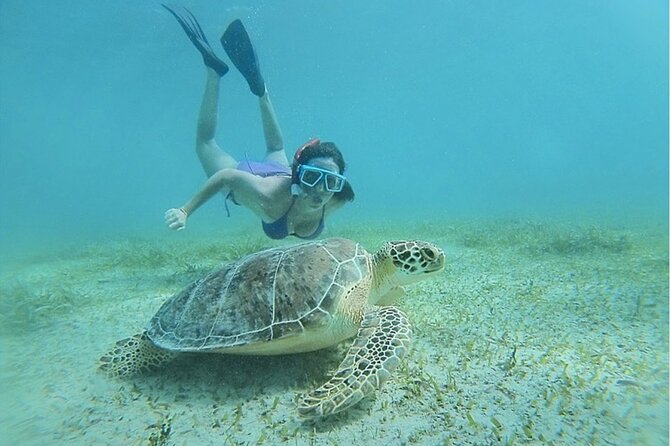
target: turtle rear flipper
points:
(381, 343)
(134, 355)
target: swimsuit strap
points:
(262, 169)
(290, 207)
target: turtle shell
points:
(262, 297)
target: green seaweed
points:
(25, 306)
(542, 238)
(37, 294)
(160, 432)
(523, 329)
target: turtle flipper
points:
(134, 355)
(381, 343)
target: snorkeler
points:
(291, 199)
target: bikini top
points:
(278, 229)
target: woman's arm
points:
(175, 218)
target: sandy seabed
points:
(539, 333)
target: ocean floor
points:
(542, 333)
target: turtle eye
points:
(428, 254)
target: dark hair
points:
(325, 150)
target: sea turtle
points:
(294, 299)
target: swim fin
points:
(194, 32)
(237, 44)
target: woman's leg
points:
(211, 156)
(274, 141)
(238, 46)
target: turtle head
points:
(410, 261)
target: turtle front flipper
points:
(381, 343)
(134, 355)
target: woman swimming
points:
(291, 199)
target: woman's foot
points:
(194, 32)
(237, 44)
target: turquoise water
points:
(528, 139)
(465, 107)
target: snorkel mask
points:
(310, 176)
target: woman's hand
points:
(175, 218)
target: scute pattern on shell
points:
(261, 297)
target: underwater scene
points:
(334, 223)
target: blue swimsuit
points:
(278, 229)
